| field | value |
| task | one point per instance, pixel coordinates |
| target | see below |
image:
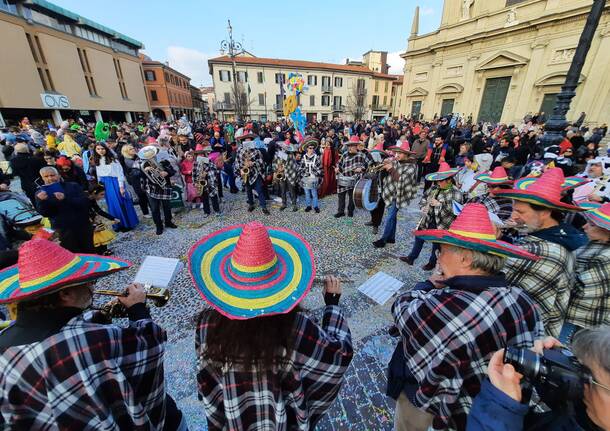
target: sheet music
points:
(380, 287)
(158, 271)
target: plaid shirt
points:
(209, 171)
(152, 189)
(502, 207)
(293, 396)
(590, 299)
(253, 155)
(548, 281)
(87, 376)
(449, 335)
(439, 217)
(291, 166)
(403, 190)
(348, 164)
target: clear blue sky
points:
(187, 32)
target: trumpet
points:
(200, 186)
(114, 309)
(279, 174)
(244, 175)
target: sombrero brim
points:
(400, 150)
(84, 268)
(595, 216)
(531, 198)
(439, 176)
(306, 144)
(569, 183)
(241, 295)
(487, 179)
(245, 136)
(499, 248)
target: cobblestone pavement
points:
(341, 247)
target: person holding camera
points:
(451, 324)
(582, 380)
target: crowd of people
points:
(520, 236)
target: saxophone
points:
(201, 184)
(245, 171)
(279, 174)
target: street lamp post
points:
(557, 123)
(233, 49)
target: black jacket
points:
(27, 168)
(72, 212)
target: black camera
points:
(557, 374)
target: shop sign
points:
(55, 101)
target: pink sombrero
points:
(247, 271)
(544, 191)
(401, 147)
(44, 267)
(598, 214)
(497, 177)
(444, 171)
(472, 229)
(353, 140)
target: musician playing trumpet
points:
(398, 188)
(310, 170)
(249, 164)
(205, 181)
(286, 173)
(156, 182)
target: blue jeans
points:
(416, 250)
(258, 186)
(389, 230)
(311, 197)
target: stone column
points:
(56, 116)
(98, 116)
(128, 117)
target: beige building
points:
(57, 64)
(497, 60)
(348, 91)
(207, 93)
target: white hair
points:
(592, 346)
(48, 169)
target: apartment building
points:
(344, 91)
(169, 91)
(57, 64)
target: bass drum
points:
(366, 194)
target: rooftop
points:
(293, 64)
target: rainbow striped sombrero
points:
(44, 267)
(247, 271)
(497, 177)
(569, 183)
(444, 171)
(544, 191)
(473, 229)
(597, 214)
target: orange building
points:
(168, 91)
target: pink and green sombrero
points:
(444, 171)
(472, 229)
(44, 267)
(401, 147)
(569, 183)
(247, 271)
(543, 191)
(497, 177)
(598, 214)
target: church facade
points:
(497, 60)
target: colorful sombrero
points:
(353, 140)
(497, 177)
(247, 271)
(309, 140)
(44, 267)
(568, 184)
(544, 191)
(401, 147)
(444, 171)
(472, 229)
(597, 214)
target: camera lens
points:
(525, 361)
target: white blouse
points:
(113, 169)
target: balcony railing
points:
(223, 106)
(380, 107)
(327, 88)
(338, 108)
(277, 107)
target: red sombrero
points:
(248, 271)
(44, 267)
(544, 191)
(401, 147)
(444, 171)
(353, 140)
(497, 177)
(472, 229)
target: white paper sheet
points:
(380, 287)
(158, 271)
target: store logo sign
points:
(55, 101)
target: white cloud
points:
(191, 62)
(396, 63)
(426, 10)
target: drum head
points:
(364, 196)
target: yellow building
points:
(57, 64)
(497, 60)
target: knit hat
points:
(473, 229)
(44, 267)
(247, 271)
